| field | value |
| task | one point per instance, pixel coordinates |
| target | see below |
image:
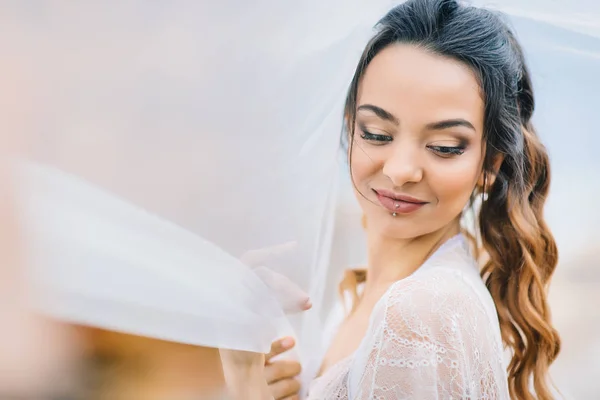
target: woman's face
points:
(417, 148)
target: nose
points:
(404, 164)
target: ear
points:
(491, 177)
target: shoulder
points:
(435, 284)
(436, 299)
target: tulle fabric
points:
(179, 176)
(98, 261)
(433, 335)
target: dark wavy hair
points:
(520, 249)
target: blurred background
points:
(562, 43)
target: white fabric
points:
(99, 261)
(170, 140)
(433, 335)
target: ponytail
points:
(522, 255)
(352, 279)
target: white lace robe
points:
(433, 335)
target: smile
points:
(399, 204)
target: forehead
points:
(407, 80)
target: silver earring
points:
(397, 205)
(394, 214)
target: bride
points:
(438, 125)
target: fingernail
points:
(287, 343)
(308, 304)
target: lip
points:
(398, 203)
(400, 197)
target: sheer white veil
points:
(175, 151)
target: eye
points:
(375, 138)
(447, 151)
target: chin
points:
(400, 227)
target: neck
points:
(393, 259)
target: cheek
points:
(363, 167)
(454, 182)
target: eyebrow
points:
(437, 126)
(450, 123)
(380, 112)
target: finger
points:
(285, 388)
(282, 370)
(289, 295)
(280, 346)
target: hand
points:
(281, 375)
(289, 295)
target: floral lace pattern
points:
(433, 335)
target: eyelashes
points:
(447, 151)
(442, 151)
(371, 137)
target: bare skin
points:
(282, 375)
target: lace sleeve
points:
(430, 337)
